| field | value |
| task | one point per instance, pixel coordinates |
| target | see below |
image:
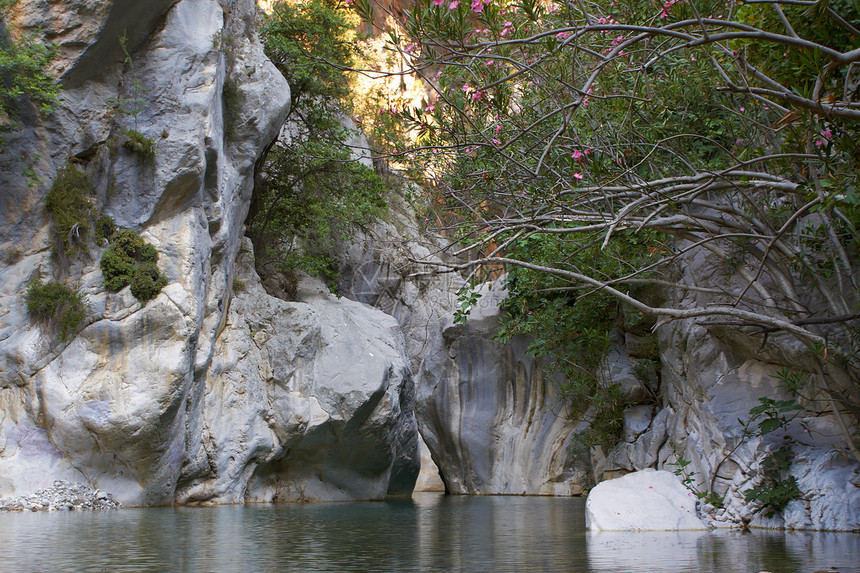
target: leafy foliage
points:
(70, 206)
(56, 305)
(310, 191)
(23, 60)
(719, 130)
(130, 260)
(777, 487)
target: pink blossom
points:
(577, 175)
(477, 6)
(498, 128)
(430, 107)
(577, 154)
(743, 109)
(496, 141)
(478, 95)
(453, 4)
(438, 2)
(827, 134)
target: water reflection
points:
(428, 533)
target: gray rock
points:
(143, 403)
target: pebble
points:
(61, 496)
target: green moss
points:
(138, 143)
(132, 261)
(239, 285)
(57, 305)
(70, 207)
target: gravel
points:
(62, 496)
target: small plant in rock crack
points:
(777, 487)
(57, 306)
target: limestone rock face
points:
(488, 413)
(304, 401)
(710, 379)
(647, 500)
(139, 403)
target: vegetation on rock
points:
(56, 305)
(70, 205)
(129, 260)
(137, 142)
(591, 149)
(23, 60)
(309, 190)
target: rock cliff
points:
(197, 395)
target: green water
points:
(428, 533)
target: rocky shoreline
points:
(61, 496)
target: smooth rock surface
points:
(186, 398)
(646, 500)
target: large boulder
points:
(647, 500)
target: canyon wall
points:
(197, 395)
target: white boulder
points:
(642, 501)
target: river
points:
(430, 532)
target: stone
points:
(646, 500)
(141, 403)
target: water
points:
(428, 533)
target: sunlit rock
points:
(647, 500)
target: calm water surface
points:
(428, 533)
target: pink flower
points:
(478, 95)
(438, 2)
(743, 109)
(577, 154)
(498, 128)
(827, 134)
(577, 175)
(453, 4)
(496, 141)
(477, 6)
(430, 107)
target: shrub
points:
(117, 267)
(105, 229)
(12, 255)
(147, 281)
(70, 207)
(132, 261)
(138, 143)
(57, 305)
(23, 63)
